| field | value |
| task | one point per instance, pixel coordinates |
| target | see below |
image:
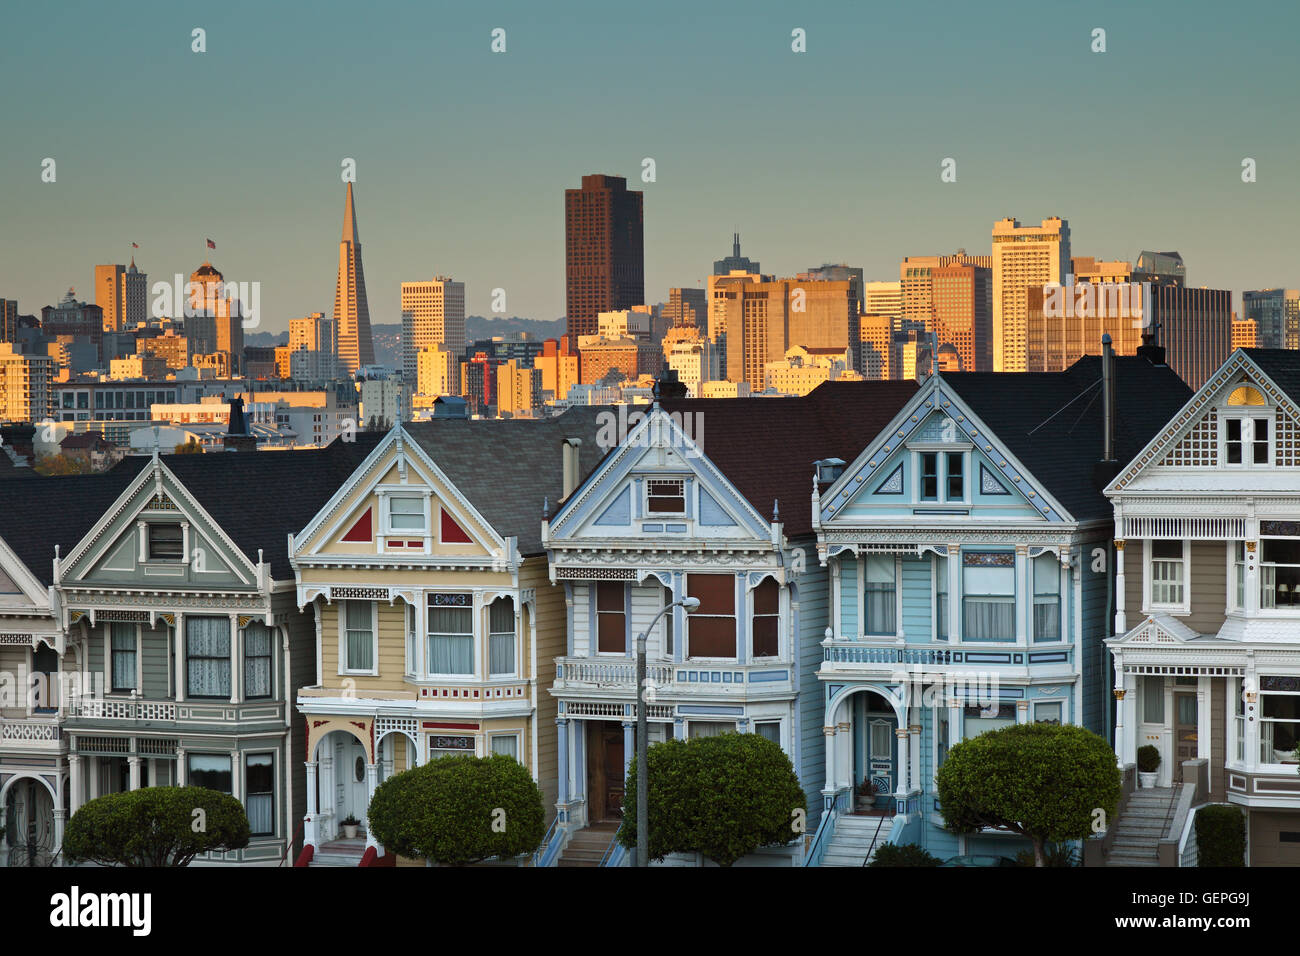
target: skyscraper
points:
(1023, 256)
(433, 314)
(351, 313)
(735, 262)
(214, 319)
(603, 251)
(962, 301)
(122, 292)
(1274, 313)
(1195, 328)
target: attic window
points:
(165, 542)
(666, 496)
(1245, 395)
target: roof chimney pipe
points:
(1107, 467)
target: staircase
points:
(1142, 826)
(586, 847)
(339, 853)
(856, 838)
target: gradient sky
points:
(463, 155)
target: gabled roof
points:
(509, 469)
(1052, 421)
(1282, 366)
(766, 446)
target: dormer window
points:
(406, 514)
(666, 496)
(941, 476)
(166, 542)
(1247, 428)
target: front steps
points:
(341, 852)
(1141, 827)
(586, 847)
(851, 844)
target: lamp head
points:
(690, 603)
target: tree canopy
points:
(459, 810)
(722, 796)
(1042, 781)
(155, 826)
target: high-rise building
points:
(604, 255)
(839, 273)
(1057, 340)
(353, 344)
(433, 314)
(519, 390)
(882, 298)
(1195, 328)
(122, 292)
(688, 307)
(8, 320)
(214, 312)
(1159, 268)
(735, 262)
(80, 320)
(26, 386)
(478, 374)
(1268, 307)
(916, 284)
(559, 366)
(438, 371)
(1243, 333)
(1023, 256)
(962, 304)
(693, 356)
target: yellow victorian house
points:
(437, 626)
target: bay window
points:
(989, 596)
(207, 657)
(122, 637)
(881, 594)
(1279, 572)
(501, 637)
(257, 661)
(978, 719)
(1047, 598)
(507, 744)
(711, 629)
(451, 634)
(611, 618)
(209, 770)
(767, 607)
(359, 636)
(259, 801)
(1168, 573)
(1237, 587)
(1279, 722)
(941, 597)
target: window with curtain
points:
(711, 628)
(1279, 725)
(259, 777)
(940, 597)
(257, 661)
(207, 657)
(359, 635)
(501, 637)
(208, 770)
(1047, 713)
(710, 728)
(507, 744)
(989, 596)
(667, 624)
(978, 719)
(611, 618)
(1279, 573)
(1238, 588)
(1153, 700)
(882, 589)
(1167, 573)
(410, 639)
(122, 637)
(451, 640)
(406, 514)
(1047, 598)
(767, 614)
(771, 729)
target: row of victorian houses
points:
(883, 568)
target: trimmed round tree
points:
(1041, 781)
(722, 796)
(155, 826)
(458, 810)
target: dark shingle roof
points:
(766, 446)
(1062, 452)
(1282, 366)
(508, 468)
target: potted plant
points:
(1148, 764)
(866, 795)
(349, 825)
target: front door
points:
(350, 786)
(605, 770)
(1185, 732)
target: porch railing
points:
(618, 673)
(615, 854)
(546, 853)
(878, 654)
(38, 729)
(826, 828)
(106, 708)
(875, 838)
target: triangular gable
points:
(1157, 629)
(935, 414)
(109, 555)
(615, 500)
(1191, 437)
(352, 521)
(19, 586)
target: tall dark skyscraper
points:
(603, 251)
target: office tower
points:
(764, 319)
(882, 298)
(433, 314)
(559, 367)
(1243, 333)
(603, 250)
(1091, 269)
(122, 292)
(173, 349)
(216, 315)
(915, 284)
(1291, 305)
(688, 307)
(8, 320)
(353, 345)
(1159, 268)
(26, 386)
(314, 332)
(1023, 256)
(478, 375)
(1195, 328)
(874, 346)
(693, 356)
(1267, 307)
(80, 321)
(839, 273)
(437, 371)
(519, 390)
(735, 262)
(962, 304)
(1057, 340)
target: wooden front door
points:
(1185, 732)
(605, 770)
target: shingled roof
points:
(766, 446)
(1282, 366)
(1052, 421)
(510, 468)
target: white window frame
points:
(1148, 603)
(1048, 702)
(1242, 413)
(646, 513)
(475, 607)
(275, 791)
(514, 632)
(862, 561)
(941, 451)
(780, 727)
(138, 690)
(514, 735)
(940, 575)
(373, 671)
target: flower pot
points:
(350, 831)
(865, 803)
(1146, 780)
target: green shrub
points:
(1042, 781)
(903, 854)
(155, 826)
(721, 796)
(1220, 836)
(1148, 759)
(1056, 854)
(459, 810)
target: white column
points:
(372, 781)
(828, 735)
(1130, 718)
(844, 738)
(1122, 727)
(1170, 745)
(903, 763)
(309, 824)
(1251, 682)
(1120, 627)
(236, 775)
(133, 762)
(1252, 575)
(181, 773)
(1024, 595)
(236, 655)
(178, 638)
(60, 822)
(954, 593)
(74, 778)
(835, 597)
(1022, 711)
(914, 748)
(954, 722)
(562, 755)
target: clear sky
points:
(463, 155)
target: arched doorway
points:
(865, 747)
(29, 823)
(343, 791)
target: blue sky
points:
(463, 155)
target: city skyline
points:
(491, 213)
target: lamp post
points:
(642, 728)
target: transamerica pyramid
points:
(351, 314)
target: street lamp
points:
(642, 771)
